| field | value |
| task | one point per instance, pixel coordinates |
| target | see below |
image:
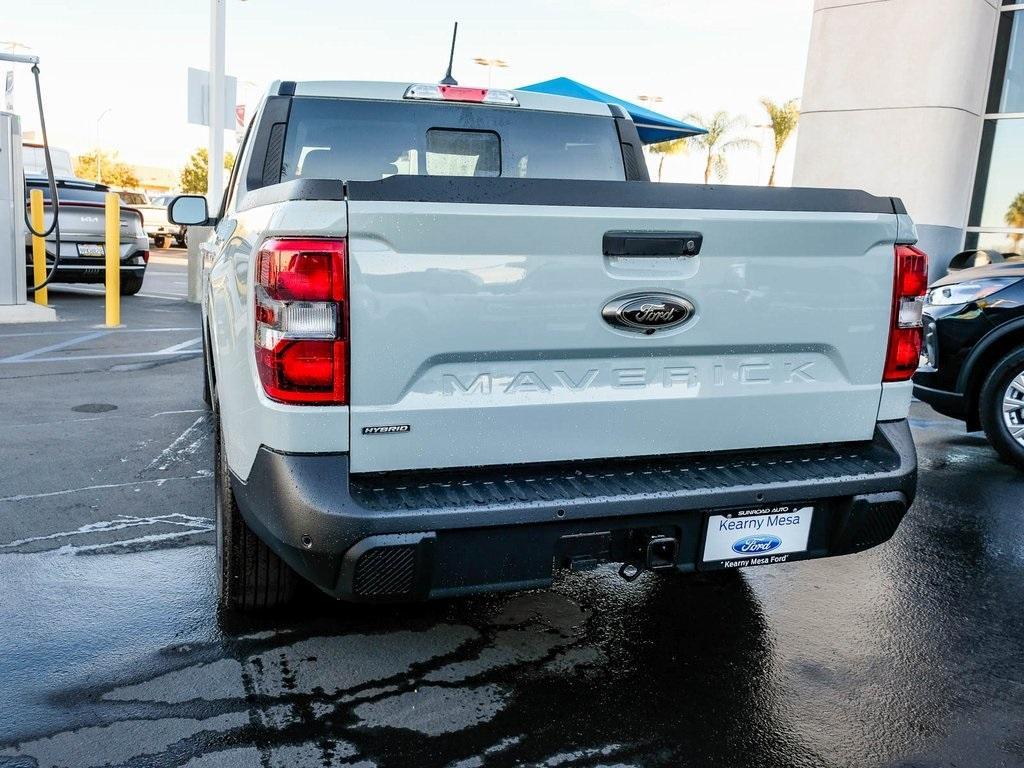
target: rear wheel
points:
(159, 242)
(1001, 407)
(250, 576)
(130, 284)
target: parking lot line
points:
(114, 330)
(179, 347)
(169, 296)
(112, 356)
(25, 356)
(102, 487)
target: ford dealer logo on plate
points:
(756, 545)
(648, 312)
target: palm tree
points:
(782, 119)
(666, 148)
(716, 142)
(1015, 218)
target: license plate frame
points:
(91, 250)
(763, 535)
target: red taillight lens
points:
(462, 93)
(905, 332)
(300, 311)
(303, 270)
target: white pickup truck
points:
(456, 341)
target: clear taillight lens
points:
(301, 299)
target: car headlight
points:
(966, 292)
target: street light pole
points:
(99, 153)
(490, 64)
(215, 151)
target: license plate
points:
(90, 249)
(757, 536)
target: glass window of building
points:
(997, 209)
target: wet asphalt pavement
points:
(112, 651)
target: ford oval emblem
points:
(756, 545)
(648, 312)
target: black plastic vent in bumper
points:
(385, 571)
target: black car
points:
(973, 366)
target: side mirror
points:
(968, 259)
(188, 210)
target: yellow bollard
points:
(38, 246)
(112, 251)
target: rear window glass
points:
(463, 153)
(130, 198)
(353, 140)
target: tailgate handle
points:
(652, 243)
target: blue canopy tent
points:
(651, 126)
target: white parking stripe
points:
(201, 475)
(178, 347)
(171, 297)
(112, 330)
(52, 347)
(118, 356)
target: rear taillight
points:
(905, 333)
(301, 321)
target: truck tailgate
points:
(477, 333)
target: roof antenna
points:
(448, 79)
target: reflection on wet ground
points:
(910, 654)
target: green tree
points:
(782, 119)
(720, 138)
(110, 171)
(194, 174)
(1014, 217)
(666, 148)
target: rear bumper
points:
(77, 273)
(952, 404)
(416, 535)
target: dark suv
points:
(973, 366)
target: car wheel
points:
(250, 576)
(130, 284)
(159, 242)
(1002, 407)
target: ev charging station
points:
(14, 304)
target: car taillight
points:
(301, 321)
(905, 332)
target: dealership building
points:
(922, 99)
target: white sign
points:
(199, 98)
(758, 538)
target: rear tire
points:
(159, 242)
(1005, 385)
(130, 284)
(250, 576)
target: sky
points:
(132, 56)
